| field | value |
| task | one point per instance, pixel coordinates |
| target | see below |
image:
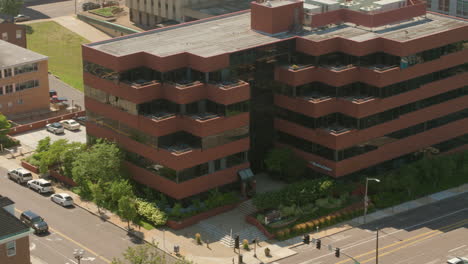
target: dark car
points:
(81, 119)
(90, 6)
(35, 222)
(52, 93)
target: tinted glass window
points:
(68, 198)
(37, 219)
(27, 175)
(46, 184)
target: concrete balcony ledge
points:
(228, 94)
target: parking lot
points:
(30, 139)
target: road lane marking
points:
(462, 222)
(457, 248)
(75, 242)
(419, 240)
(355, 244)
(57, 252)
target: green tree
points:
(145, 254)
(4, 128)
(119, 189)
(101, 164)
(127, 209)
(408, 176)
(99, 196)
(11, 7)
(43, 145)
(52, 155)
(285, 164)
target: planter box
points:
(62, 178)
(176, 225)
(253, 221)
(29, 167)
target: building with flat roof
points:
(153, 12)
(12, 32)
(14, 235)
(24, 84)
(349, 86)
(458, 8)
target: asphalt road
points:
(430, 234)
(44, 9)
(70, 228)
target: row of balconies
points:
(324, 105)
(351, 137)
(386, 152)
(177, 160)
(381, 76)
(199, 127)
(180, 93)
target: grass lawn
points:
(105, 12)
(62, 46)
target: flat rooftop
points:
(13, 55)
(231, 33)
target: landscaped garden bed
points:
(107, 12)
(303, 206)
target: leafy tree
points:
(284, 164)
(127, 209)
(52, 155)
(4, 125)
(43, 145)
(11, 7)
(151, 212)
(99, 196)
(101, 165)
(145, 254)
(408, 175)
(119, 189)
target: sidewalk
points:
(220, 254)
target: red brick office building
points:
(349, 89)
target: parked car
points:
(62, 198)
(52, 93)
(40, 185)
(21, 17)
(70, 124)
(55, 128)
(81, 119)
(20, 175)
(55, 99)
(458, 260)
(35, 222)
(90, 6)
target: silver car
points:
(40, 185)
(62, 198)
(55, 128)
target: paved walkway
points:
(216, 252)
(81, 28)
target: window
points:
(19, 33)
(27, 85)
(26, 68)
(11, 248)
(20, 101)
(7, 73)
(1, 90)
(5, 36)
(444, 5)
(429, 4)
(9, 89)
(462, 7)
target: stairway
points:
(247, 207)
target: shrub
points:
(280, 234)
(267, 252)
(245, 244)
(299, 228)
(310, 225)
(261, 218)
(198, 238)
(150, 212)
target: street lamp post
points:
(78, 254)
(366, 199)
